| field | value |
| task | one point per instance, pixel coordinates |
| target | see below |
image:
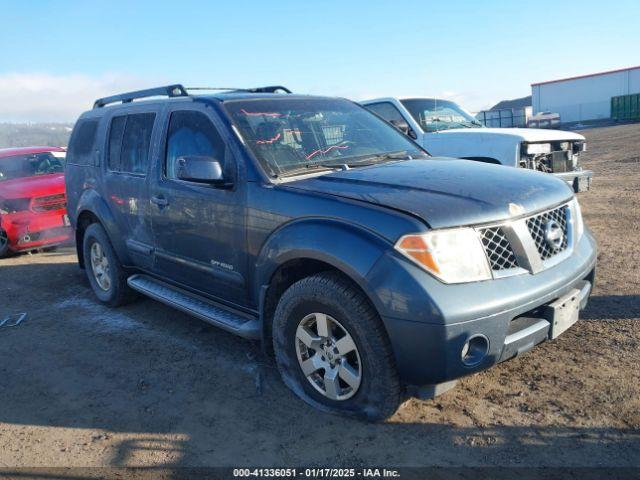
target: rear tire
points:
(106, 275)
(327, 312)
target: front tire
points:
(4, 243)
(106, 275)
(332, 350)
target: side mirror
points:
(200, 169)
(404, 128)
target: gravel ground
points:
(144, 385)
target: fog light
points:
(474, 350)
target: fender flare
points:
(351, 249)
(91, 201)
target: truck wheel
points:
(106, 276)
(332, 350)
(4, 243)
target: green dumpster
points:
(625, 107)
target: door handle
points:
(160, 200)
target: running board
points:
(244, 325)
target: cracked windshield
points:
(292, 137)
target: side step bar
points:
(241, 324)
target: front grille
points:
(537, 224)
(564, 157)
(498, 249)
(537, 247)
(555, 162)
(49, 203)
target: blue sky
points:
(56, 56)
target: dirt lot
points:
(84, 385)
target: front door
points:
(199, 228)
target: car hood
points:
(445, 192)
(30, 187)
(523, 134)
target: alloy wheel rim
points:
(100, 266)
(328, 356)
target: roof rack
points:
(176, 90)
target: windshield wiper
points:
(373, 159)
(343, 165)
(311, 167)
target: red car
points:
(33, 203)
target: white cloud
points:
(40, 97)
(471, 101)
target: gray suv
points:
(372, 270)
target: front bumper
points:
(429, 322)
(29, 230)
(579, 180)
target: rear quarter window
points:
(82, 141)
(115, 142)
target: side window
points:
(387, 111)
(134, 156)
(191, 134)
(115, 142)
(81, 144)
(129, 140)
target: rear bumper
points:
(429, 323)
(580, 180)
(29, 230)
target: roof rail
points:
(176, 90)
(270, 89)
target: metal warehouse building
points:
(587, 97)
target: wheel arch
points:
(311, 246)
(93, 209)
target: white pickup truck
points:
(443, 128)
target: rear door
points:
(199, 229)
(129, 150)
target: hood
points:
(445, 192)
(30, 187)
(523, 134)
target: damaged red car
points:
(33, 204)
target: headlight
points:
(14, 205)
(538, 148)
(453, 256)
(576, 215)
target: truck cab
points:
(446, 129)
